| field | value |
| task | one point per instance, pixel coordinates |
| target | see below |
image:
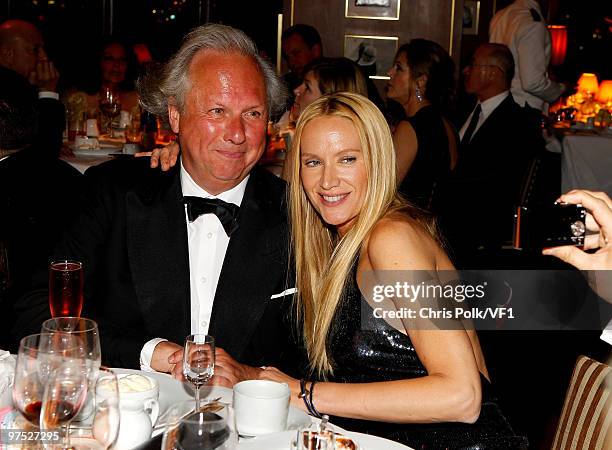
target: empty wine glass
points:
(105, 427)
(65, 393)
(211, 427)
(110, 105)
(87, 331)
(199, 361)
(39, 355)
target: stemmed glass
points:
(40, 355)
(105, 427)
(110, 105)
(65, 393)
(199, 361)
(87, 331)
(213, 426)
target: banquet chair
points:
(586, 418)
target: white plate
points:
(172, 391)
(282, 441)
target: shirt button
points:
(209, 235)
(204, 324)
(203, 279)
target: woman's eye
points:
(311, 162)
(217, 111)
(349, 159)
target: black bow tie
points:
(226, 212)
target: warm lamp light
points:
(588, 83)
(558, 38)
(605, 92)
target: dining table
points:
(586, 158)
(172, 391)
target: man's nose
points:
(235, 132)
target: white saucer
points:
(282, 441)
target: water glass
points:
(66, 288)
(199, 361)
(211, 427)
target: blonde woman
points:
(420, 387)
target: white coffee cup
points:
(261, 407)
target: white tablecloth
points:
(586, 163)
(84, 162)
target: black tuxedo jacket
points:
(132, 239)
(477, 201)
(50, 112)
(38, 200)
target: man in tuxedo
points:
(497, 143)
(22, 53)
(201, 248)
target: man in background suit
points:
(22, 53)
(160, 261)
(497, 143)
(38, 197)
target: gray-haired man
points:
(161, 264)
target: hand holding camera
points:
(598, 223)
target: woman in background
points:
(422, 82)
(115, 69)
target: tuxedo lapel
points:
(158, 255)
(251, 269)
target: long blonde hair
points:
(323, 259)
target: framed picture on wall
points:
(471, 16)
(374, 54)
(372, 9)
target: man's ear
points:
(6, 56)
(317, 50)
(174, 117)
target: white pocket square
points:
(285, 292)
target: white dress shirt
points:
(488, 106)
(207, 241)
(529, 42)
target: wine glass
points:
(110, 105)
(38, 356)
(212, 426)
(65, 394)
(105, 427)
(87, 331)
(198, 361)
(66, 288)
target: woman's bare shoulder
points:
(400, 242)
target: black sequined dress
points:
(372, 351)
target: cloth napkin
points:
(7, 375)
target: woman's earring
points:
(418, 94)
